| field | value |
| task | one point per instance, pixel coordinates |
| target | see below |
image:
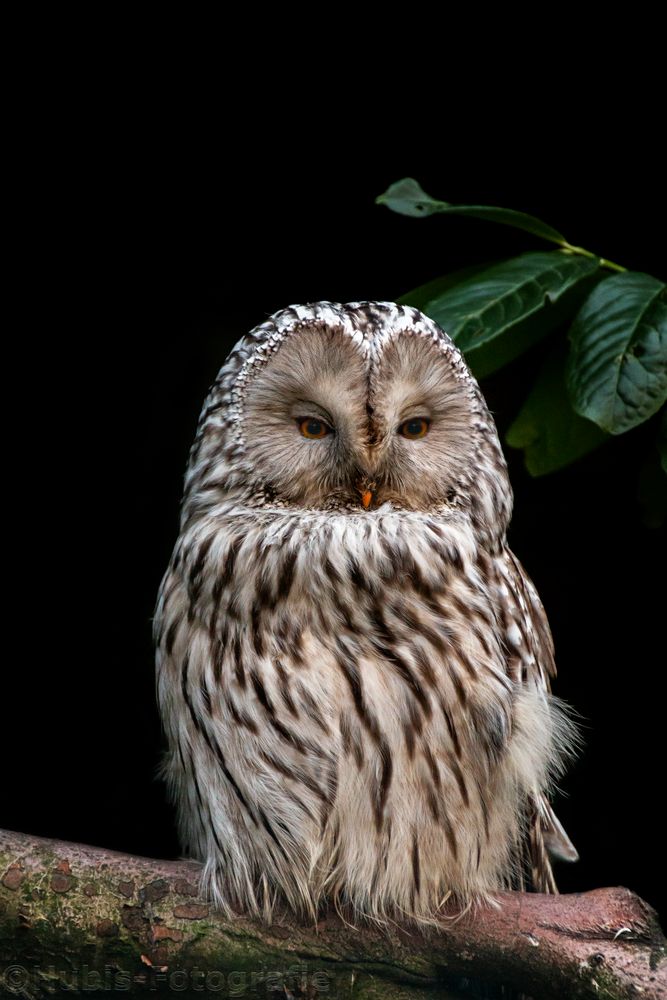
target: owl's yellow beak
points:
(367, 489)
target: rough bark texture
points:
(90, 920)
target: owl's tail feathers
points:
(547, 839)
(541, 875)
(556, 841)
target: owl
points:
(353, 669)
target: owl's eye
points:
(415, 428)
(311, 427)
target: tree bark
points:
(85, 919)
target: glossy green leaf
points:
(408, 198)
(496, 314)
(617, 374)
(548, 430)
(423, 294)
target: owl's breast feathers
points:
(345, 692)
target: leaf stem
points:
(603, 262)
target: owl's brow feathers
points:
(361, 327)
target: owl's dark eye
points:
(310, 427)
(415, 428)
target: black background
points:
(144, 249)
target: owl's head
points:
(349, 407)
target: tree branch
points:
(84, 918)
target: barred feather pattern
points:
(356, 701)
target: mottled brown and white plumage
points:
(353, 669)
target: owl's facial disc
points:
(329, 426)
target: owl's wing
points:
(531, 660)
(528, 636)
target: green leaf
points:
(496, 314)
(617, 374)
(423, 294)
(551, 434)
(408, 198)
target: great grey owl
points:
(353, 669)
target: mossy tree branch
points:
(83, 918)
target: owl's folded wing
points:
(530, 651)
(528, 636)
